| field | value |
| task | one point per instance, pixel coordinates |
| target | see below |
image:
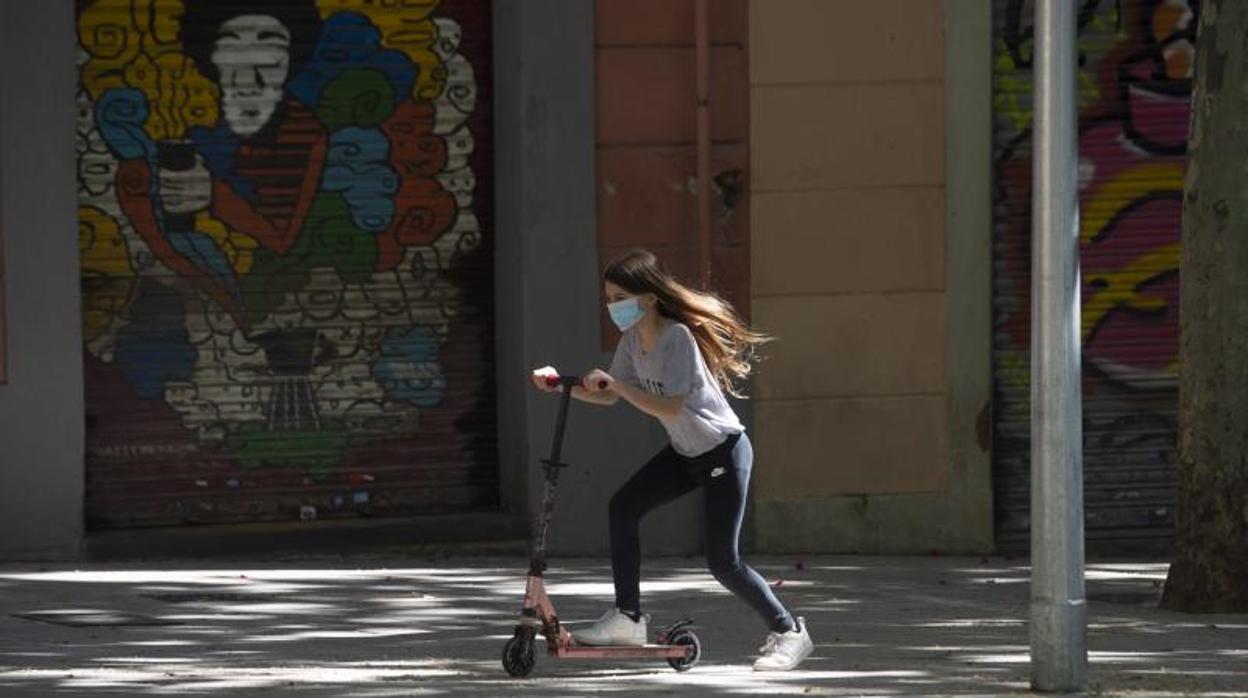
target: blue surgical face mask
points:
(625, 313)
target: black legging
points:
(724, 473)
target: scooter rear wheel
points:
(518, 654)
(686, 637)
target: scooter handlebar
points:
(570, 382)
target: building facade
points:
(322, 242)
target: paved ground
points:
(395, 626)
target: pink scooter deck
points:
(563, 644)
(620, 652)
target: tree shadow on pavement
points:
(364, 626)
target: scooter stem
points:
(541, 523)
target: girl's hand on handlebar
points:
(546, 379)
(597, 381)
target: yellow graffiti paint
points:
(106, 32)
(238, 248)
(1012, 95)
(1006, 96)
(1110, 197)
(135, 43)
(185, 98)
(407, 26)
(107, 278)
(110, 33)
(1120, 287)
(163, 34)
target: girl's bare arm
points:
(653, 405)
(601, 397)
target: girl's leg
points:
(658, 482)
(725, 510)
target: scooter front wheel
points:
(689, 639)
(518, 654)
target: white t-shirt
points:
(676, 367)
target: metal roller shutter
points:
(286, 266)
(1134, 90)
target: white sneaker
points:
(784, 651)
(614, 628)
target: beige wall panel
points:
(835, 241)
(847, 136)
(861, 184)
(852, 345)
(821, 448)
(805, 41)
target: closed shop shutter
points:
(286, 259)
(1134, 91)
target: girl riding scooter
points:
(681, 350)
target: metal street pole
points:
(1059, 656)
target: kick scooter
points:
(677, 643)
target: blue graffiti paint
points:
(155, 347)
(120, 114)
(218, 146)
(356, 167)
(408, 368)
(350, 41)
(203, 252)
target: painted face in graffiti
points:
(252, 55)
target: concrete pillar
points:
(547, 287)
(41, 404)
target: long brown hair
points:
(728, 345)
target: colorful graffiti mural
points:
(1136, 58)
(275, 199)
